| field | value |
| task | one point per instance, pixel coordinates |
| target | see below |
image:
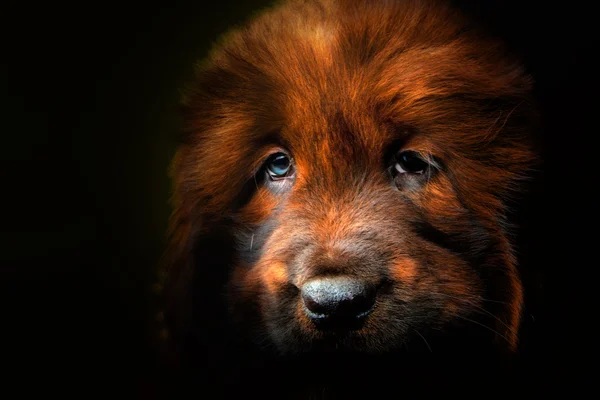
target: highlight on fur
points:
(405, 136)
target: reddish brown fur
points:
(337, 84)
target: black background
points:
(89, 96)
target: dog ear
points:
(176, 269)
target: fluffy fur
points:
(343, 86)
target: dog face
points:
(357, 157)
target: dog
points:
(342, 192)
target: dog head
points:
(347, 169)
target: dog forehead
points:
(331, 82)
(341, 136)
(344, 83)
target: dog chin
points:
(335, 343)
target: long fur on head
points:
(411, 63)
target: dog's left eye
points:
(279, 166)
(409, 162)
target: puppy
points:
(343, 187)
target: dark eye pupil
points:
(279, 165)
(411, 162)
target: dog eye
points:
(409, 162)
(279, 166)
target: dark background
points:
(89, 95)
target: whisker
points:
(509, 114)
(484, 326)
(255, 182)
(493, 301)
(422, 337)
(481, 310)
(472, 297)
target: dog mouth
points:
(338, 341)
(338, 326)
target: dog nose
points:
(337, 299)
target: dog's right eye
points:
(279, 166)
